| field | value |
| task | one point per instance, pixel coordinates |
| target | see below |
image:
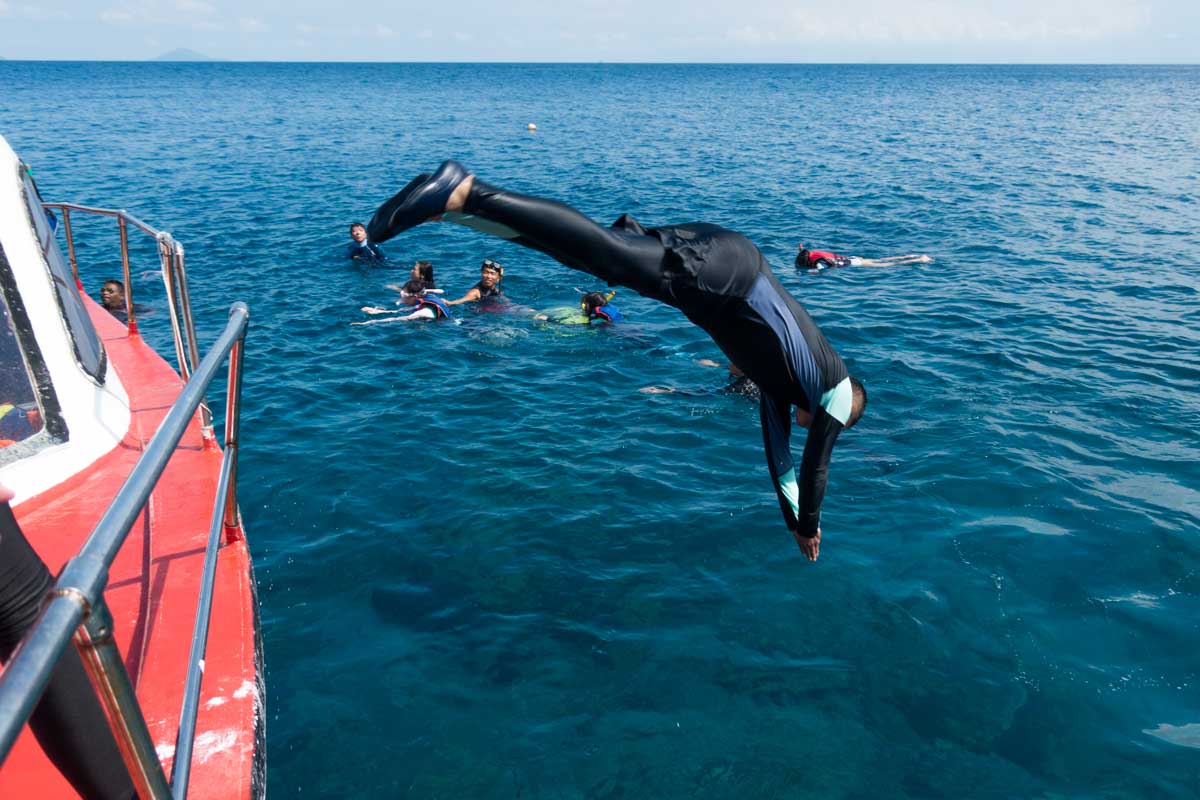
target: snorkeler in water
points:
(716, 277)
(598, 307)
(823, 259)
(488, 290)
(417, 299)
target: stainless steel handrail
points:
(170, 254)
(76, 603)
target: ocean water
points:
(490, 567)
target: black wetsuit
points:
(722, 283)
(68, 722)
(489, 294)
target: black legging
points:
(611, 254)
(68, 721)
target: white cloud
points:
(251, 25)
(194, 7)
(943, 21)
(384, 32)
(116, 16)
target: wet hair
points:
(802, 260)
(859, 404)
(425, 270)
(591, 301)
(490, 264)
(113, 282)
(415, 287)
(354, 225)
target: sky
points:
(927, 31)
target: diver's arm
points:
(814, 469)
(470, 297)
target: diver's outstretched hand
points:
(810, 547)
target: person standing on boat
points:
(68, 721)
(716, 277)
(362, 248)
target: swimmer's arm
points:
(471, 296)
(420, 313)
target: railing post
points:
(104, 666)
(166, 254)
(66, 212)
(132, 321)
(233, 416)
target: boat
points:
(125, 491)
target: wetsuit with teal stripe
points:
(722, 283)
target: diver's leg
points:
(611, 254)
(617, 256)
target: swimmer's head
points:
(412, 291)
(423, 271)
(593, 300)
(858, 404)
(358, 232)
(802, 258)
(490, 272)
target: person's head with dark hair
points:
(423, 270)
(802, 258)
(358, 232)
(591, 301)
(859, 403)
(112, 295)
(412, 291)
(490, 273)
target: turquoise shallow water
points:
(490, 567)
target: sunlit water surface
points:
(490, 567)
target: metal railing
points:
(76, 606)
(174, 274)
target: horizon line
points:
(160, 60)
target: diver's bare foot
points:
(458, 198)
(810, 547)
(925, 260)
(656, 390)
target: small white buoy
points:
(531, 127)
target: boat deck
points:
(153, 589)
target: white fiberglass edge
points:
(97, 417)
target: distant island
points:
(183, 54)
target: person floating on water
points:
(823, 259)
(416, 297)
(421, 271)
(598, 306)
(593, 306)
(362, 249)
(716, 277)
(488, 290)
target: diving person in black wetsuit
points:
(716, 277)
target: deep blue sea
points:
(491, 567)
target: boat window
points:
(20, 415)
(88, 350)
